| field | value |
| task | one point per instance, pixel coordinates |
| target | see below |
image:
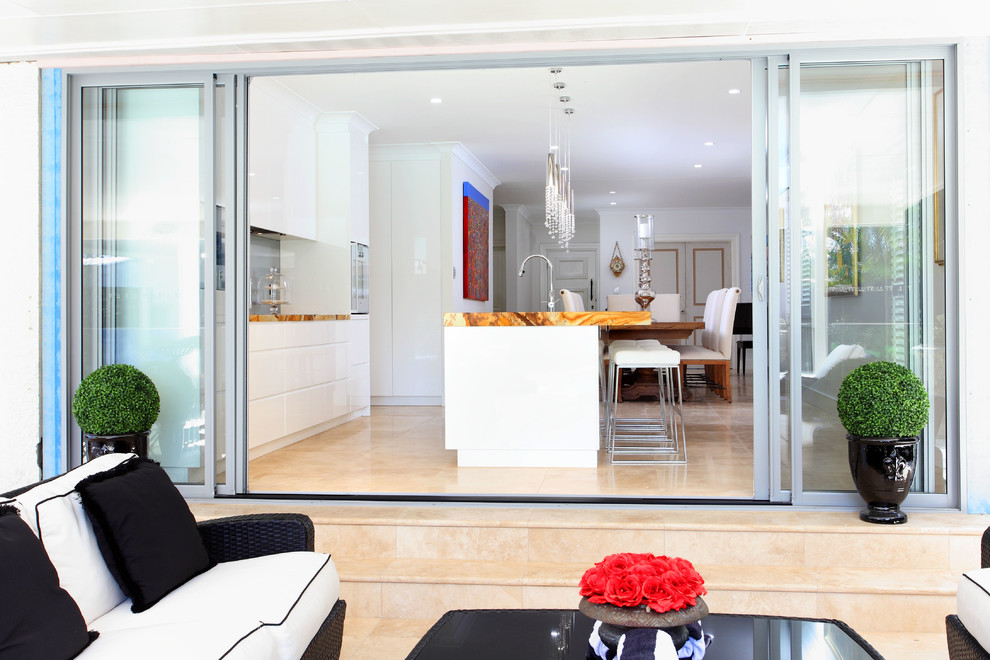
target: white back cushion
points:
(53, 511)
(973, 603)
(67, 535)
(666, 307)
(723, 343)
(622, 302)
(63, 484)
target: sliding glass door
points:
(861, 208)
(150, 260)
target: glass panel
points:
(143, 239)
(872, 285)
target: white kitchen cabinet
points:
(302, 379)
(281, 161)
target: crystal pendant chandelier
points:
(559, 197)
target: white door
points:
(692, 270)
(573, 269)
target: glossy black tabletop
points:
(563, 635)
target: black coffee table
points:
(563, 635)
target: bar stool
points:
(658, 439)
(606, 356)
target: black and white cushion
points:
(144, 529)
(38, 619)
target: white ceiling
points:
(32, 29)
(638, 130)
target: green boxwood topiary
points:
(116, 399)
(882, 400)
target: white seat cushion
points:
(973, 604)
(646, 357)
(269, 607)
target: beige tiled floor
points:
(401, 450)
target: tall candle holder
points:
(644, 249)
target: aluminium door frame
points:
(793, 61)
(72, 192)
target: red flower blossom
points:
(659, 583)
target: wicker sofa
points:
(265, 593)
(973, 605)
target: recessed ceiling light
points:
(611, 203)
(698, 166)
(611, 192)
(436, 99)
(709, 144)
(735, 91)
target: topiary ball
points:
(116, 399)
(882, 400)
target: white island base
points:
(522, 396)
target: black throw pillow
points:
(38, 619)
(145, 531)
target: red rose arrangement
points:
(629, 579)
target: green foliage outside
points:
(882, 400)
(116, 399)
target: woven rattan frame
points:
(256, 534)
(962, 645)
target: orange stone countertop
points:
(489, 319)
(263, 318)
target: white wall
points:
(618, 226)
(20, 354)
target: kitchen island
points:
(521, 389)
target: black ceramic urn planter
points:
(97, 445)
(882, 469)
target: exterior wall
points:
(972, 308)
(20, 350)
(974, 295)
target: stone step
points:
(913, 600)
(417, 562)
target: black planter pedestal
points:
(882, 469)
(127, 443)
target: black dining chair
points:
(742, 324)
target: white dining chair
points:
(573, 302)
(622, 302)
(666, 307)
(715, 353)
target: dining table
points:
(663, 331)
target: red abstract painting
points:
(475, 244)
